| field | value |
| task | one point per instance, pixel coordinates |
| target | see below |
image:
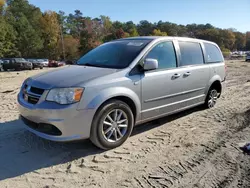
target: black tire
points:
(41, 67)
(5, 70)
(97, 136)
(210, 101)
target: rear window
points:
(213, 54)
(191, 53)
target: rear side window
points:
(191, 53)
(165, 54)
(213, 54)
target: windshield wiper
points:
(91, 65)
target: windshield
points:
(20, 60)
(118, 54)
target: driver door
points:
(161, 88)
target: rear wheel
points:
(211, 98)
(112, 125)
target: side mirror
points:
(150, 64)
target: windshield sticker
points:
(135, 43)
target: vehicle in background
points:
(1, 65)
(53, 63)
(61, 63)
(45, 62)
(71, 62)
(248, 57)
(35, 63)
(16, 64)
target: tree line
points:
(26, 31)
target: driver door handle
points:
(176, 75)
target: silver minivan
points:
(121, 84)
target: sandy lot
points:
(195, 148)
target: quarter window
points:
(191, 53)
(213, 54)
(165, 54)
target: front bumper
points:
(27, 66)
(37, 65)
(73, 124)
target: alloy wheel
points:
(115, 125)
(213, 96)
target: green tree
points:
(145, 28)
(228, 39)
(240, 40)
(107, 24)
(25, 18)
(7, 40)
(248, 41)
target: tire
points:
(211, 98)
(113, 137)
(41, 67)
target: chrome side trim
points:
(174, 103)
(168, 113)
(173, 95)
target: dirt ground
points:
(195, 148)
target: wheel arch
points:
(123, 94)
(215, 83)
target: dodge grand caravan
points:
(121, 84)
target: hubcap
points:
(115, 125)
(212, 98)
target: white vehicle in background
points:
(45, 62)
(248, 57)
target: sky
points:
(220, 13)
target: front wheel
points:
(211, 98)
(112, 125)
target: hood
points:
(73, 75)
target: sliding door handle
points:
(187, 74)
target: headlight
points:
(65, 95)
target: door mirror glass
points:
(150, 64)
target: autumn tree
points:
(50, 31)
(157, 32)
(71, 47)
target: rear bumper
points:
(72, 123)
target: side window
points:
(191, 53)
(213, 54)
(165, 54)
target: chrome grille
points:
(32, 94)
